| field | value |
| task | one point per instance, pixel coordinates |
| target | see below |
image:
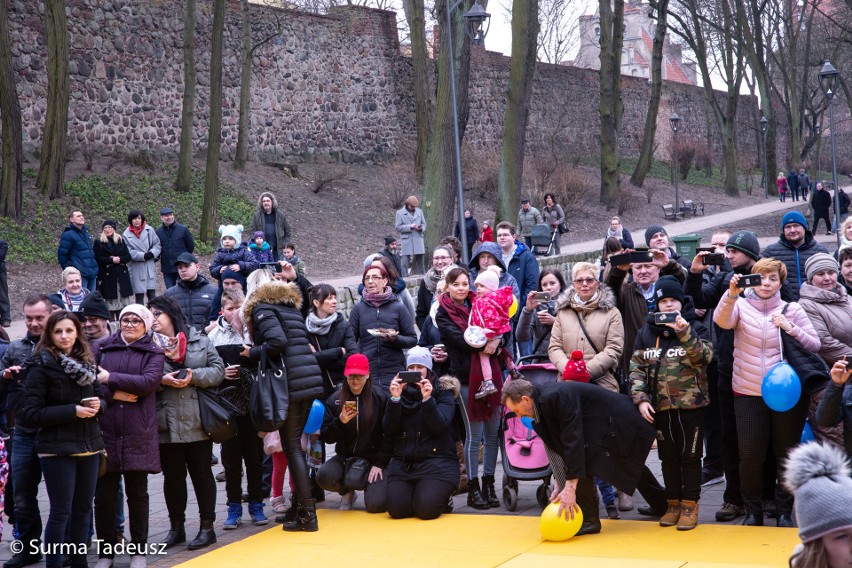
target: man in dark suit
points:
(588, 431)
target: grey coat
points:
(413, 242)
(178, 417)
(143, 273)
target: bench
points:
(693, 207)
(669, 212)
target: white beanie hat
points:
(233, 231)
(490, 277)
(139, 310)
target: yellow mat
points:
(354, 539)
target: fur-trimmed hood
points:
(568, 300)
(274, 293)
(269, 195)
(450, 383)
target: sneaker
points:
(829, 232)
(728, 512)
(709, 478)
(220, 477)
(625, 502)
(279, 504)
(347, 500)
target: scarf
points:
(411, 398)
(82, 373)
(431, 279)
(844, 242)
(619, 233)
(137, 232)
(73, 302)
(479, 410)
(174, 347)
(318, 325)
(376, 300)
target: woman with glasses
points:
(353, 421)
(62, 398)
(191, 363)
(442, 260)
(537, 316)
(133, 367)
(383, 327)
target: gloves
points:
(148, 255)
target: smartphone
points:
(705, 249)
(749, 281)
(351, 405)
(620, 259)
(666, 317)
(181, 375)
(440, 346)
(641, 257)
(88, 401)
(410, 377)
(714, 259)
(233, 366)
(542, 296)
(272, 266)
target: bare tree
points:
(187, 114)
(51, 171)
(211, 178)
(422, 81)
(11, 181)
(610, 107)
(558, 34)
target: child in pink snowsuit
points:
(490, 310)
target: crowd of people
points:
(107, 385)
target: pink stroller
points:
(521, 450)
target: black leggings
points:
(680, 441)
(291, 442)
(246, 447)
(422, 498)
(177, 460)
(330, 476)
(140, 298)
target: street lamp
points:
(827, 82)
(817, 127)
(763, 123)
(674, 121)
(477, 24)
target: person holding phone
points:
(62, 374)
(836, 404)
(756, 318)
(538, 314)
(191, 362)
(423, 471)
(353, 422)
(133, 369)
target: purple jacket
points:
(130, 428)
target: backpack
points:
(803, 181)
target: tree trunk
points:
(51, 171)
(211, 178)
(11, 184)
(650, 131)
(414, 15)
(187, 113)
(245, 91)
(439, 179)
(521, 72)
(611, 40)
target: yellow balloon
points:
(556, 528)
(513, 309)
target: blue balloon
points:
(527, 421)
(781, 388)
(808, 433)
(312, 426)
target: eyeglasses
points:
(356, 378)
(585, 280)
(131, 322)
(442, 257)
(366, 278)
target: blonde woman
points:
(72, 293)
(781, 182)
(113, 256)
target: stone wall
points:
(329, 87)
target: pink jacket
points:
(756, 340)
(491, 311)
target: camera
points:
(749, 281)
(714, 259)
(665, 317)
(542, 296)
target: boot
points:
(672, 514)
(205, 537)
(474, 496)
(235, 516)
(306, 518)
(488, 492)
(176, 535)
(688, 515)
(256, 513)
(753, 520)
(290, 514)
(785, 520)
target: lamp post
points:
(763, 123)
(817, 127)
(477, 20)
(674, 121)
(827, 82)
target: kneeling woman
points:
(424, 470)
(353, 421)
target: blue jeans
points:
(170, 279)
(90, 284)
(607, 491)
(70, 482)
(26, 477)
(489, 429)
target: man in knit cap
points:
(794, 247)
(94, 316)
(656, 237)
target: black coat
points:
(330, 358)
(355, 438)
(50, 402)
(386, 357)
(194, 299)
(794, 258)
(113, 279)
(821, 202)
(834, 408)
(277, 326)
(595, 431)
(174, 241)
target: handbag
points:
(474, 335)
(272, 443)
(102, 463)
(355, 473)
(270, 396)
(218, 415)
(812, 370)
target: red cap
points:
(357, 364)
(575, 370)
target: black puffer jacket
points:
(794, 258)
(277, 327)
(194, 299)
(355, 438)
(386, 357)
(330, 351)
(836, 407)
(50, 402)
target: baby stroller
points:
(521, 450)
(543, 239)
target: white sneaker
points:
(138, 561)
(279, 504)
(347, 500)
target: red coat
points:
(487, 235)
(491, 311)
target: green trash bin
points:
(687, 245)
